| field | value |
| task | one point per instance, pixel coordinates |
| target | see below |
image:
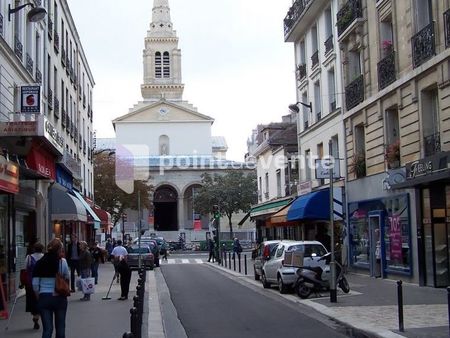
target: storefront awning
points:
(247, 215)
(315, 205)
(103, 215)
(280, 218)
(65, 207)
(89, 209)
(269, 208)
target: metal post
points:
(401, 328)
(139, 228)
(229, 260)
(218, 236)
(239, 259)
(333, 292)
(448, 304)
(234, 261)
(245, 264)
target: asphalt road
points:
(210, 304)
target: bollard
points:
(128, 335)
(400, 306)
(245, 264)
(234, 261)
(134, 322)
(239, 260)
(224, 258)
(448, 302)
(229, 260)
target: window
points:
(306, 111)
(358, 165)
(278, 183)
(317, 101)
(422, 13)
(308, 165)
(430, 122)
(328, 23)
(332, 90)
(158, 65)
(320, 156)
(386, 37)
(163, 145)
(280, 251)
(266, 192)
(392, 147)
(314, 43)
(302, 53)
(354, 66)
(334, 151)
(166, 64)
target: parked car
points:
(153, 244)
(147, 257)
(275, 272)
(262, 254)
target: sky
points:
(236, 67)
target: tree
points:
(108, 195)
(232, 191)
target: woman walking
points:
(30, 297)
(85, 265)
(51, 304)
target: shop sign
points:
(427, 166)
(395, 237)
(9, 176)
(63, 178)
(30, 99)
(304, 188)
(52, 134)
(40, 160)
(324, 166)
(197, 225)
(19, 128)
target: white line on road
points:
(198, 261)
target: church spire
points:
(162, 57)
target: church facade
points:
(169, 141)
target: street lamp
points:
(34, 15)
(296, 109)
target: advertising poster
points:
(30, 99)
(396, 238)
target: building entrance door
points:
(375, 236)
(166, 209)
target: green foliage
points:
(109, 196)
(232, 191)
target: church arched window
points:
(158, 64)
(166, 65)
(163, 145)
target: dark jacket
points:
(69, 250)
(85, 260)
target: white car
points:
(275, 272)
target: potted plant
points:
(392, 154)
(387, 46)
(358, 165)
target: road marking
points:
(171, 261)
(198, 261)
(185, 261)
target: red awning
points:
(105, 217)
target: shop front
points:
(430, 178)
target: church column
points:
(181, 218)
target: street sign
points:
(323, 167)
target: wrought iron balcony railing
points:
(80, 142)
(63, 57)
(63, 118)
(386, 71)
(347, 14)
(266, 195)
(29, 63)
(56, 41)
(38, 75)
(329, 45)
(432, 144)
(1, 24)
(56, 106)
(315, 59)
(447, 27)
(296, 10)
(333, 106)
(50, 28)
(305, 125)
(50, 98)
(18, 48)
(423, 45)
(301, 72)
(354, 92)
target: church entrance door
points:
(165, 204)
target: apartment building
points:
(395, 72)
(46, 89)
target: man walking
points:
(211, 250)
(73, 256)
(120, 254)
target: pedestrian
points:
(109, 248)
(237, 248)
(85, 261)
(378, 260)
(97, 258)
(211, 246)
(73, 255)
(163, 250)
(120, 256)
(50, 304)
(30, 297)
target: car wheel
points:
(281, 286)
(257, 277)
(303, 291)
(265, 284)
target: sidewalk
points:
(371, 306)
(96, 318)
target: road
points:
(210, 303)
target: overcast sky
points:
(236, 66)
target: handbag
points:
(24, 280)
(88, 285)
(61, 284)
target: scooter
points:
(315, 279)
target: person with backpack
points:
(30, 297)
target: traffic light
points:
(216, 212)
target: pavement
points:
(369, 310)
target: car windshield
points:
(142, 250)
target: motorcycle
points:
(316, 279)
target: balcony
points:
(50, 29)
(18, 48)
(63, 118)
(301, 72)
(80, 142)
(29, 64)
(297, 9)
(38, 76)
(75, 135)
(347, 14)
(63, 57)
(432, 144)
(1, 24)
(56, 41)
(50, 98)
(56, 106)
(305, 125)
(386, 71)
(423, 45)
(354, 92)
(329, 45)
(315, 59)
(84, 147)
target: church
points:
(169, 142)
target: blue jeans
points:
(94, 268)
(48, 306)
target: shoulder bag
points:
(61, 284)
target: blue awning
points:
(89, 209)
(313, 206)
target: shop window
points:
(430, 122)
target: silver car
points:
(262, 254)
(147, 258)
(274, 271)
